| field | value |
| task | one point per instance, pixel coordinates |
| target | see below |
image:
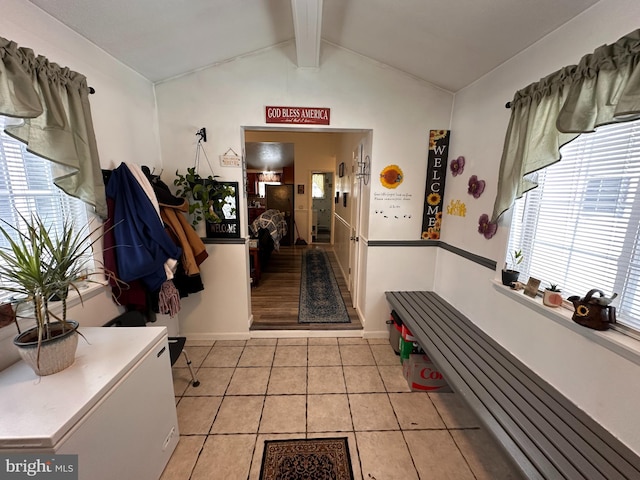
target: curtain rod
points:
(92, 90)
(507, 105)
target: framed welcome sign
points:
(228, 212)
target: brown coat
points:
(194, 251)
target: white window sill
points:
(616, 341)
(88, 291)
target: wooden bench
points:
(545, 434)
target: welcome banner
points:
(436, 175)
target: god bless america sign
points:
(303, 115)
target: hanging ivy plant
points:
(205, 195)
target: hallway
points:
(274, 301)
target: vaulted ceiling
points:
(447, 43)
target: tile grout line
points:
(353, 426)
(395, 414)
(264, 401)
(206, 436)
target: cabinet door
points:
(288, 175)
(252, 183)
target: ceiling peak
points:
(307, 23)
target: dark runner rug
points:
(320, 297)
(306, 459)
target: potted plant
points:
(203, 195)
(510, 275)
(551, 296)
(38, 265)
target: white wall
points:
(601, 382)
(361, 94)
(123, 111)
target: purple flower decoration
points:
(485, 227)
(457, 166)
(476, 187)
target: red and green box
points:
(422, 375)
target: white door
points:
(354, 240)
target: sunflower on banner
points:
(434, 192)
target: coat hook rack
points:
(202, 133)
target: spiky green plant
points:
(516, 258)
(41, 263)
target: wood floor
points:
(274, 301)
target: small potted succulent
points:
(551, 296)
(510, 275)
(39, 265)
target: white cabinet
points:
(114, 407)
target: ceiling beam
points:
(307, 24)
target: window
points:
(317, 185)
(262, 189)
(26, 186)
(580, 228)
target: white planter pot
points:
(54, 355)
(551, 298)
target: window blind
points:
(26, 187)
(580, 227)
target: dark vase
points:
(509, 277)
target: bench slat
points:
(546, 435)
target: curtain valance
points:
(53, 103)
(603, 88)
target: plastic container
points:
(395, 331)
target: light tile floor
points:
(263, 389)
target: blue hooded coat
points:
(142, 244)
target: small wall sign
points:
(227, 160)
(230, 158)
(300, 115)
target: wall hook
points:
(202, 133)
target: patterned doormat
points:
(306, 459)
(320, 297)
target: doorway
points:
(321, 207)
(329, 154)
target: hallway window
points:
(580, 228)
(317, 185)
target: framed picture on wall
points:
(341, 170)
(300, 189)
(228, 212)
